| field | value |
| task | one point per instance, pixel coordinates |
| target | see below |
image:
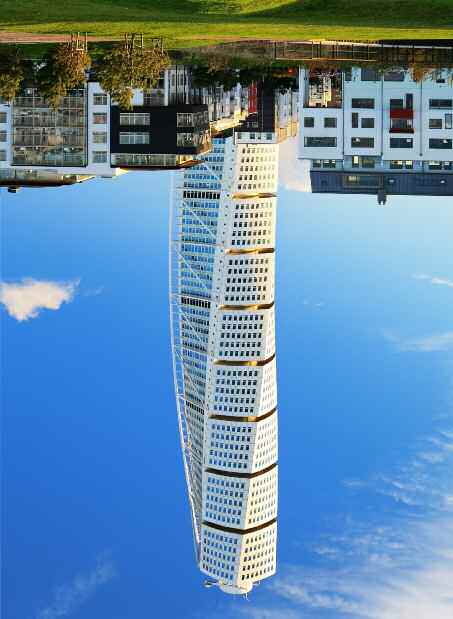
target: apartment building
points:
(381, 133)
(89, 136)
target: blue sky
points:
(97, 522)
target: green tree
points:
(12, 71)
(130, 65)
(63, 69)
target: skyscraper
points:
(223, 337)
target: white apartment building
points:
(362, 121)
(39, 145)
(223, 338)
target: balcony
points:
(402, 113)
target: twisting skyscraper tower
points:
(223, 337)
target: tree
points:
(63, 69)
(130, 65)
(12, 68)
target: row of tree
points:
(119, 69)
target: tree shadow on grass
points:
(418, 14)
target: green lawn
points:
(190, 22)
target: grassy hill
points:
(190, 22)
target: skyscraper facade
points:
(223, 335)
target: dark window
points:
(368, 162)
(440, 104)
(401, 142)
(309, 121)
(330, 123)
(355, 120)
(396, 104)
(440, 143)
(409, 101)
(367, 123)
(370, 75)
(435, 123)
(320, 142)
(348, 75)
(362, 142)
(2, 117)
(394, 76)
(363, 103)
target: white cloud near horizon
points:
(437, 281)
(69, 597)
(396, 562)
(390, 568)
(25, 299)
(294, 173)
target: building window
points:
(355, 120)
(134, 118)
(134, 138)
(440, 104)
(435, 123)
(3, 117)
(99, 119)
(394, 76)
(2, 136)
(396, 104)
(448, 121)
(312, 142)
(363, 103)
(362, 142)
(367, 123)
(99, 99)
(309, 121)
(99, 137)
(399, 165)
(370, 75)
(440, 143)
(99, 156)
(330, 123)
(401, 142)
(2, 155)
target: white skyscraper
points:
(223, 337)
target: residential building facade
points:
(364, 130)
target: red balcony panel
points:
(401, 113)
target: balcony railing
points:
(401, 130)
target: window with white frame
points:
(134, 118)
(99, 99)
(134, 137)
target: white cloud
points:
(294, 173)
(24, 300)
(68, 598)
(437, 281)
(395, 564)
(436, 342)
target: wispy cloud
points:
(397, 563)
(437, 281)
(70, 597)
(25, 299)
(436, 342)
